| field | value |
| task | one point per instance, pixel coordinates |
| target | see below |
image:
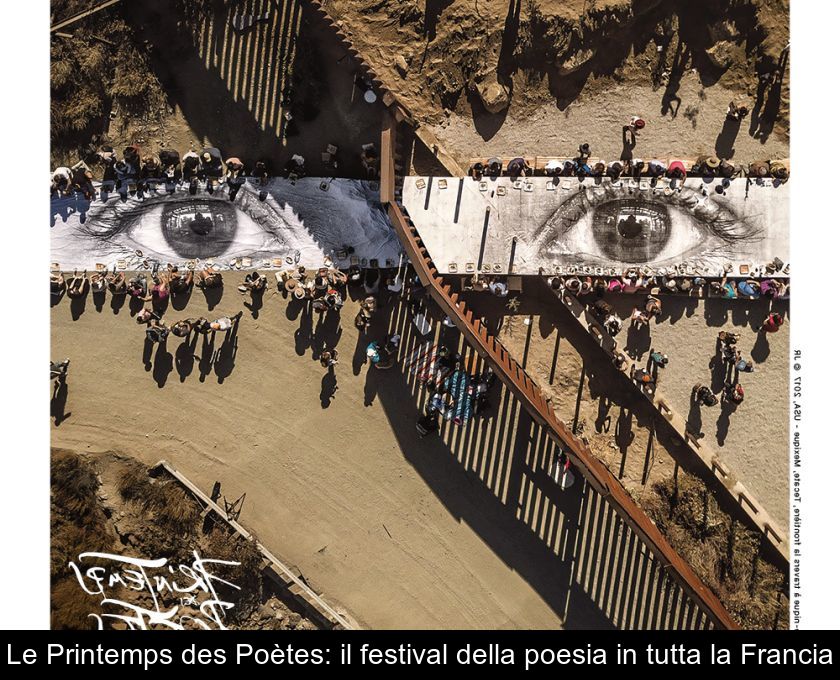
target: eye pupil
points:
(199, 229)
(201, 224)
(631, 230)
(630, 227)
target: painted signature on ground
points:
(172, 588)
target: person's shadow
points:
(628, 140)
(725, 142)
(694, 421)
(638, 340)
(213, 296)
(58, 403)
(98, 298)
(226, 356)
(329, 386)
(117, 302)
(185, 356)
(181, 300)
(256, 303)
(360, 353)
(77, 306)
(726, 410)
(303, 334)
(163, 364)
(370, 385)
(761, 348)
(205, 363)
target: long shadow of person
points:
(205, 363)
(628, 141)
(624, 435)
(329, 386)
(767, 120)
(726, 410)
(77, 306)
(763, 70)
(226, 356)
(98, 298)
(360, 353)
(117, 302)
(638, 340)
(604, 420)
(303, 334)
(371, 380)
(148, 348)
(162, 365)
(58, 403)
(256, 303)
(725, 142)
(761, 348)
(327, 332)
(718, 370)
(694, 421)
(185, 356)
(181, 300)
(135, 304)
(213, 296)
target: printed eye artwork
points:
(609, 224)
(302, 221)
(194, 227)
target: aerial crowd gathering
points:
(675, 170)
(456, 395)
(138, 172)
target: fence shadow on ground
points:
(494, 473)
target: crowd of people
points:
(137, 172)
(644, 281)
(582, 164)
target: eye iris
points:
(199, 229)
(631, 230)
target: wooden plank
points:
(387, 174)
(81, 15)
(452, 166)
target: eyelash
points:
(135, 212)
(720, 225)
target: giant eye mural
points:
(302, 221)
(615, 225)
(467, 225)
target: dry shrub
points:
(174, 509)
(77, 524)
(222, 544)
(134, 482)
(723, 552)
(88, 76)
(71, 606)
(171, 507)
(74, 487)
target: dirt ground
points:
(234, 89)
(575, 72)
(93, 497)
(752, 440)
(465, 529)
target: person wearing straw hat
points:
(710, 165)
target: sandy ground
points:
(460, 530)
(753, 439)
(598, 120)
(225, 88)
(576, 70)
